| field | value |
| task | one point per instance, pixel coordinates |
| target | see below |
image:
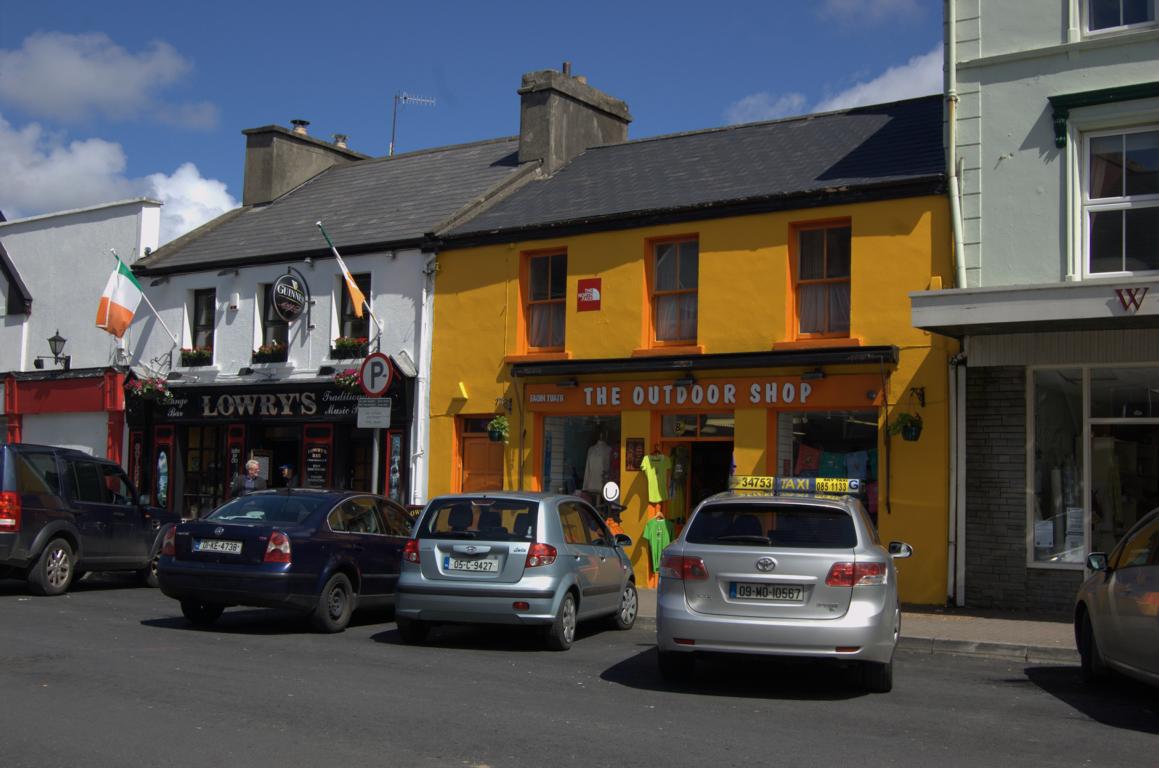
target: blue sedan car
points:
(324, 553)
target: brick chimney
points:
(278, 159)
(560, 116)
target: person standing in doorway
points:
(289, 477)
(250, 481)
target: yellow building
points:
(704, 304)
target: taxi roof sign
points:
(775, 485)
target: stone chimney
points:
(560, 116)
(278, 159)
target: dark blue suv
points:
(63, 513)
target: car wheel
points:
(148, 574)
(54, 571)
(412, 631)
(201, 613)
(561, 633)
(335, 605)
(676, 667)
(625, 615)
(1093, 668)
(877, 677)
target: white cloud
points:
(44, 173)
(73, 77)
(920, 76)
(189, 200)
(853, 12)
(764, 106)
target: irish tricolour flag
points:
(119, 301)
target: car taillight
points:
(683, 567)
(9, 512)
(855, 574)
(410, 551)
(168, 544)
(540, 554)
(278, 549)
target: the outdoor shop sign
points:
(792, 392)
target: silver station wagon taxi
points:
(781, 566)
(514, 558)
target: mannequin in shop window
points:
(596, 466)
(657, 531)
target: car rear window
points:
(489, 519)
(781, 525)
(274, 508)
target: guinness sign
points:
(290, 297)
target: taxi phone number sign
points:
(795, 484)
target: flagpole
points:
(365, 300)
(176, 343)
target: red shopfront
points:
(33, 395)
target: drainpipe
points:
(421, 431)
(952, 141)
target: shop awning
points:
(887, 355)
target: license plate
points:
(484, 564)
(217, 545)
(782, 593)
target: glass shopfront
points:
(581, 453)
(1099, 427)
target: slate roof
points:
(824, 154)
(391, 201)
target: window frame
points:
(796, 281)
(1087, 207)
(527, 302)
(1117, 29)
(271, 320)
(196, 327)
(346, 319)
(653, 294)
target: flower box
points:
(148, 388)
(195, 356)
(271, 353)
(349, 347)
(347, 380)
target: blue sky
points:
(104, 101)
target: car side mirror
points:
(1097, 561)
(899, 550)
(623, 540)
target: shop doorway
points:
(480, 458)
(698, 470)
(1124, 487)
(282, 444)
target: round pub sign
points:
(289, 297)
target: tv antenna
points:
(404, 98)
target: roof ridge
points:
(418, 152)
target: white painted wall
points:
(1017, 225)
(67, 430)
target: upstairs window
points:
(275, 338)
(1121, 201)
(545, 305)
(674, 291)
(349, 324)
(822, 281)
(204, 311)
(1103, 15)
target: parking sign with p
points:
(375, 374)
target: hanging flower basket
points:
(908, 425)
(192, 356)
(148, 388)
(347, 380)
(498, 429)
(348, 347)
(274, 352)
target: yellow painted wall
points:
(897, 247)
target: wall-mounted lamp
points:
(229, 271)
(158, 281)
(813, 375)
(56, 344)
(326, 370)
(567, 383)
(687, 381)
(503, 403)
(246, 371)
(309, 261)
(918, 393)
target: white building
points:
(53, 269)
(1054, 148)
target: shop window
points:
(1124, 393)
(1056, 526)
(350, 326)
(580, 453)
(822, 281)
(1109, 15)
(830, 444)
(673, 291)
(204, 473)
(275, 332)
(544, 301)
(1121, 202)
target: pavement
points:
(1041, 640)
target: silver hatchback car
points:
(768, 569)
(514, 558)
